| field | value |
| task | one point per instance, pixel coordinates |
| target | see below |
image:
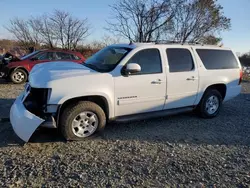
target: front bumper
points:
(23, 122)
(4, 71)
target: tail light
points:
(241, 76)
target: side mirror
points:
(34, 59)
(132, 68)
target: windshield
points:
(29, 55)
(106, 59)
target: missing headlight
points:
(36, 101)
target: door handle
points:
(192, 78)
(158, 81)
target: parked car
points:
(125, 82)
(18, 70)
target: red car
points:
(18, 69)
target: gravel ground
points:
(177, 151)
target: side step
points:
(150, 115)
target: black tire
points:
(201, 108)
(71, 112)
(23, 76)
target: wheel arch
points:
(100, 100)
(221, 87)
(19, 67)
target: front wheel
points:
(82, 120)
(210, 104)
(18, 76)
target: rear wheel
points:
(210, 104)
(82, 120)
(18, 76)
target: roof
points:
(59, 50)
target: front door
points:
(42, 57)
(182, 78)
(144, 91)
(63, 56)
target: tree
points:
(69, 30)
(57, 29)
(245, 55)
(142, 20)
(44, 29)
(109, 40)
(199, 21)
(173, 20)
(25, 34)
(210, 39)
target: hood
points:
(47, 72)
(9, 58)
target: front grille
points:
(36, 100)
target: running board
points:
(150, 115)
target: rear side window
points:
(179, 60)
(48, 56)
(218, 59)
(63, 56)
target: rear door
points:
(182, 78)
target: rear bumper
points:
(232, 91)
(23, 122)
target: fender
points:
(10, 69)
(21, 68)
(18, 67)
(109, 100)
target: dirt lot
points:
(171, 151)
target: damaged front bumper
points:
(23, 122)
(4, 71)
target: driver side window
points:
(149, 60)
(45, 56)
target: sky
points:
(97, 11)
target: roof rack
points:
(131, 42)
(172, 42)
(177, 42)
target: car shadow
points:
(5, 105)
(231, 127)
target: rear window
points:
(218, 59)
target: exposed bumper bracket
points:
(49, 123)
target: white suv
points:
(126, 81)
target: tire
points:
(18, 76)
(77, 121)
(206, 109)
